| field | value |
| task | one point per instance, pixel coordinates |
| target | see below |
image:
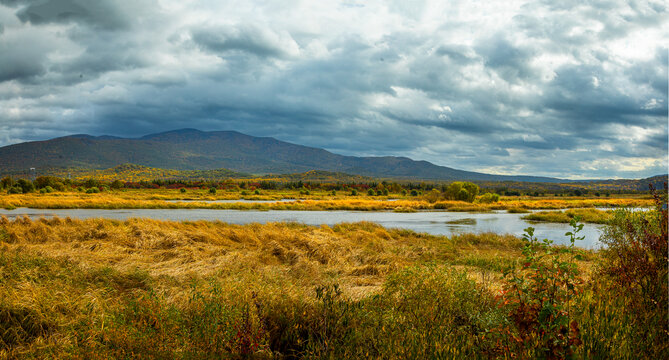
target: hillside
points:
(190, 149)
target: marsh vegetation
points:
(151, 289)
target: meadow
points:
(314, 200)
(153, 289)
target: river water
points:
(432, 222)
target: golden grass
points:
(156, 199)
(585, 215)
(67, 276)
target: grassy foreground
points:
(152, 289)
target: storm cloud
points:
(565, 89)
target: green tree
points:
(116, 184)
(463, 191)
(6, 182)
(25, 185)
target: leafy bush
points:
(212, 190)
(463, 191)
(370, 192)
(635, 261)
(25, 185)
(6, 183)
(116, 184)
(539, 298)
(488, 198)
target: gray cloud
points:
(103, 14)
(545, 88)
(245, 38)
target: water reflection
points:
(437, 223)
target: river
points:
(432, 222)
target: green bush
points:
(25, 185)
(212, 190)
(116, 184)
(6, 183)
(488, 198)
(539, 298)
(463, 191)
(370, 192)
(635, 263)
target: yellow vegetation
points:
(149, 199)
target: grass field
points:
(152, 289)
(157, 199)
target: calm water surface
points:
(437, 223)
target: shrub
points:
(354, 192)
(635, 261)
(433, 196)
(414, 193)
(25, 185)
(93, 190)
(370, 192)
(488, 198)
(182, 190)
(116, 184)
(257, 192)
(538, 298)
(6, 182)
(463, 191)
(212, 190)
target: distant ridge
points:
(192, 149)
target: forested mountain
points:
(190, 149)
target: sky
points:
(568, 89)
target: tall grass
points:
(141, 288)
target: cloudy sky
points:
(571, 89)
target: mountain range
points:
(190, 149)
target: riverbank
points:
(168, 199)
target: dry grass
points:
(64, 275)
(96, 288)
(156, 199)
(585, 215)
